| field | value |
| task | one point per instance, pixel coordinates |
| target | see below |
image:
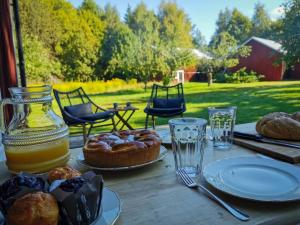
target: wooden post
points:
(8, 71)
(19, 43)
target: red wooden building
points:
(294, 73)
(191, 73)
(264, 59)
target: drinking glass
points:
(188, 136)
(222, 120)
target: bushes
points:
(242, 76)
(96, 87)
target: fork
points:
(188, 181)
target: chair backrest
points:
(74, 97)
(171, 94)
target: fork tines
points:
(185, 177)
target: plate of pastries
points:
(280, 125)
(122, 150)
(63, 196)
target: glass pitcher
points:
(36, 139)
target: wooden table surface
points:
(154, 196)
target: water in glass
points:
(222, 122)
(188, 136)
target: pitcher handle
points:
(3, 102)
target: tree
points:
(175, 27)
(128, 15)
(235, 23)
(91, 5)
(145, 25)
(225, 55)
(111, 16)
(239, 26)
(71, 36)
(222, 23)
(38, 19)
(97, 26)
(40, 66)
(291, 32)
(199, 39)
(276, 29)
(77, 46)
(117, 52)
(223, 20)
(143, 22)
(261, 22)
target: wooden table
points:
(123, 115)
(153, 196)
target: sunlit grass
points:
(253, 100)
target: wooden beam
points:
(8, 70)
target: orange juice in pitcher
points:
(36, 139)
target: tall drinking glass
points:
(188, 136)
(222, 120)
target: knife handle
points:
(247, 136)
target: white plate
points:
(255, 178)
(111, 208)
(165, 136)
(82, 162)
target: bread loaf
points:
(280, 125)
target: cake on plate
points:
(123, 148)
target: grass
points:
(253, 100)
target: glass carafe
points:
(36, 139)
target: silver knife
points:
(259, 138)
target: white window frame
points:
(179, 76)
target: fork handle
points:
(235, 212)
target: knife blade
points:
(259, 138)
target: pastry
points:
(73, 184)
(79, 199)
(123, 148)
(16, 185)
(34, 209)
(280, 125)
(60, 173)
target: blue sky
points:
(202, 13)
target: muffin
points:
(34, 209)
(61, 173)
(79, 198)
(18, 186)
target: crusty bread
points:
(60, 173)
(34, 209)
(280, 125)
(120, 149)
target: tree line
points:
(93, 43)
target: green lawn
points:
(253, 100)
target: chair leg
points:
(89, 131)
(146, 122)
(153, 123)
(114, 124)
(84, 132)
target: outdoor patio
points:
(138, 121)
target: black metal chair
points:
(78, 109)
(165, 101)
